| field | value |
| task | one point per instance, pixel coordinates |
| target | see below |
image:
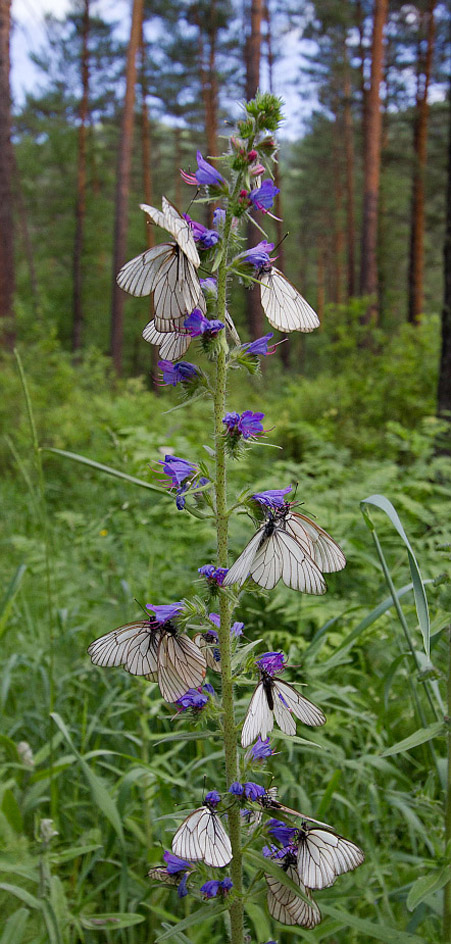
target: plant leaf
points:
(105, 468)
(419, 737)
(426, 884)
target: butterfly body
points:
(284, 306)
(324, 855)
(283, 903)
(276, 700)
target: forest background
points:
(361, 406)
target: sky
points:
(29, 35)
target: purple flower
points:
(263, 197)
(165, 612)
(250, 424)
(214, 575)
(173, 374)
(272, 852)
(174, 864)
(235, 630)
(182, 889)
(207, 237)
(253, 790)
(213, 798)
(260, 346)
(281, 832)
(205, 175)
(260, 750)
(272, 498)
(271, 662)
(193, 698)
(177, 469)
(197, 325)
(231, 420)
(208, 688)
(209, 285)
(210, 889)
(219, 217)
(258, 256)
(236, 788)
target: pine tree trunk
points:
(320, 288)
(416, 258)
(7, 281)
(368, 262)
(27, 243)
(208, 76)
(80, 206)
(444, 383)
(146, 154)
(338, 234)
(123, 185)
(348, 133)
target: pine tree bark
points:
(80, 206)
(146, 156)
(444, 383)
(26, 239)
(368, 262)
(420, 131)
(7, 280)
(123, 185)
(348, 134)
(208, 74)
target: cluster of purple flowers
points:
(260, 750)
(246, 425)
(214, 575)
(183, 475)
(250, 790)
(235, 630)
(212, 888)
(205, 238)
(174, 866)
(197, 325)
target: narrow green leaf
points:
(8, 598)
(201, 916)
(377, 932)
(242, 653)
(426, 885)
(24, 896)
(14, 927)
(112, 921)
(419, 737)
(100, 794)
(11, 809)
(268, 865)
(105, 468)
(421, 603)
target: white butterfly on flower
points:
(324, 855)
(202, 836)
(284, 306)
(168, 270)
(275, 700)
(156, 649)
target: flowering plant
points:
(301, 856)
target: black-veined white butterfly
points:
(324, 551)
(168, 270)
(202, 836)
(171, 344)
(253, 818)
(323, 856)
(284, 307)
(273, 554)
(154, 650)
(159, 873)
(275, 700)
(283, 903)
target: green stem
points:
(229, 730)
(447, 889)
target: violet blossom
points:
(181, 474)
(213, 798)
(272, 498)
(235, 630)
(194, 698)
(247, 425)
(252, 791)
(198, 325)
(175, 864)
(260, 346)
(263, 197)
(182, 372)
(213, 575)
(166, 611)
(205, 175)
(258, 255)
(260, 750)
(281, 832)
(211, 888)
(205, 237)
(271, 662)
(236, 788)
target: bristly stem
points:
(230, 744)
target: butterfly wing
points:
(288, 702)
(159, 873)
(323, 855)
(203, 837)
(259, 718)
(282, 556)
(112, 649)
(325, 552)
(211, 652)
(181, 665)
(241, 568)
(176, 288)
(142, 655)
(171, 344)
(284, 307)
(138, 276)
(285, 906)
(179, 228)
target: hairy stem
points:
(230, 744)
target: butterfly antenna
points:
(142, 607)
(193, 199)
(281, 241)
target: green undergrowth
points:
(110, 765)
